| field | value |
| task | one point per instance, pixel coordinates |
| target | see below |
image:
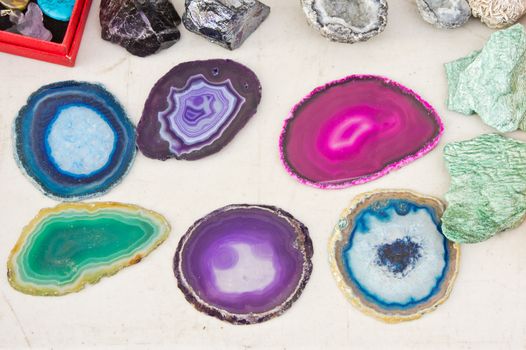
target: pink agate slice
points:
(356, 129)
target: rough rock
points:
(225, 22)
(446, 14)
(143, 27)
(487, 194)
(492, 82)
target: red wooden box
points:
(64, 53)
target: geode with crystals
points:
(196, 108)
(446, 14)
(347, 21)
(143, 27)
(225, 22)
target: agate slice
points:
(67, 247)
(244, 264)
(355, 130)
(446, 14)
(490, 82)
(197, 108)
(74, 140)
(487, 194)
(389, 256)
(347, 21)
(57, 9)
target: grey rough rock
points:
(143, 27)
(444, 13)
(225, 22)
(346, 21)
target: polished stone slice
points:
(143, 27)
(71, 245)
(57, 9)
(244, 264)
(498, 13)
(197, 108)
(389, 256)
(492, 82)
(355, 130)
(487, 194)
(74, 140)
(30, 23)
(15, 4)
(446, 14)
(225, 22)
(347, 21)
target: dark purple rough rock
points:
(244, 264)
(197, 108)
(225, 22)
(143, 27)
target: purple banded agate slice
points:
(355, 130)
(197, 108)
(244, 264)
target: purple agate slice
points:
(355, 130)
(197, 108)
(244, 263)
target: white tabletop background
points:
(142, 307)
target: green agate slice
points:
(66, 247)
(492, 82)
(488, 187)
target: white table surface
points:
(142, 307)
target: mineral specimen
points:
(445, 13)
(73, 140)
(57, 9)
(244, 264)
(67, 247)
(498, 13)
(15, 4)
(355, 130)
(30, 23)
(389, 257)
(197, 108)
(143, 27)
(492, 82)
(225, 22)
(488, 187)
(347, 21)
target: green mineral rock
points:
(492, 82)
(488, 187)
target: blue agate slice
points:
(57, 9)
(74, 140)
(391, 257)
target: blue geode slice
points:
(197, 108)
(390, 257)
(74, 140)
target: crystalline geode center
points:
(197, 111)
